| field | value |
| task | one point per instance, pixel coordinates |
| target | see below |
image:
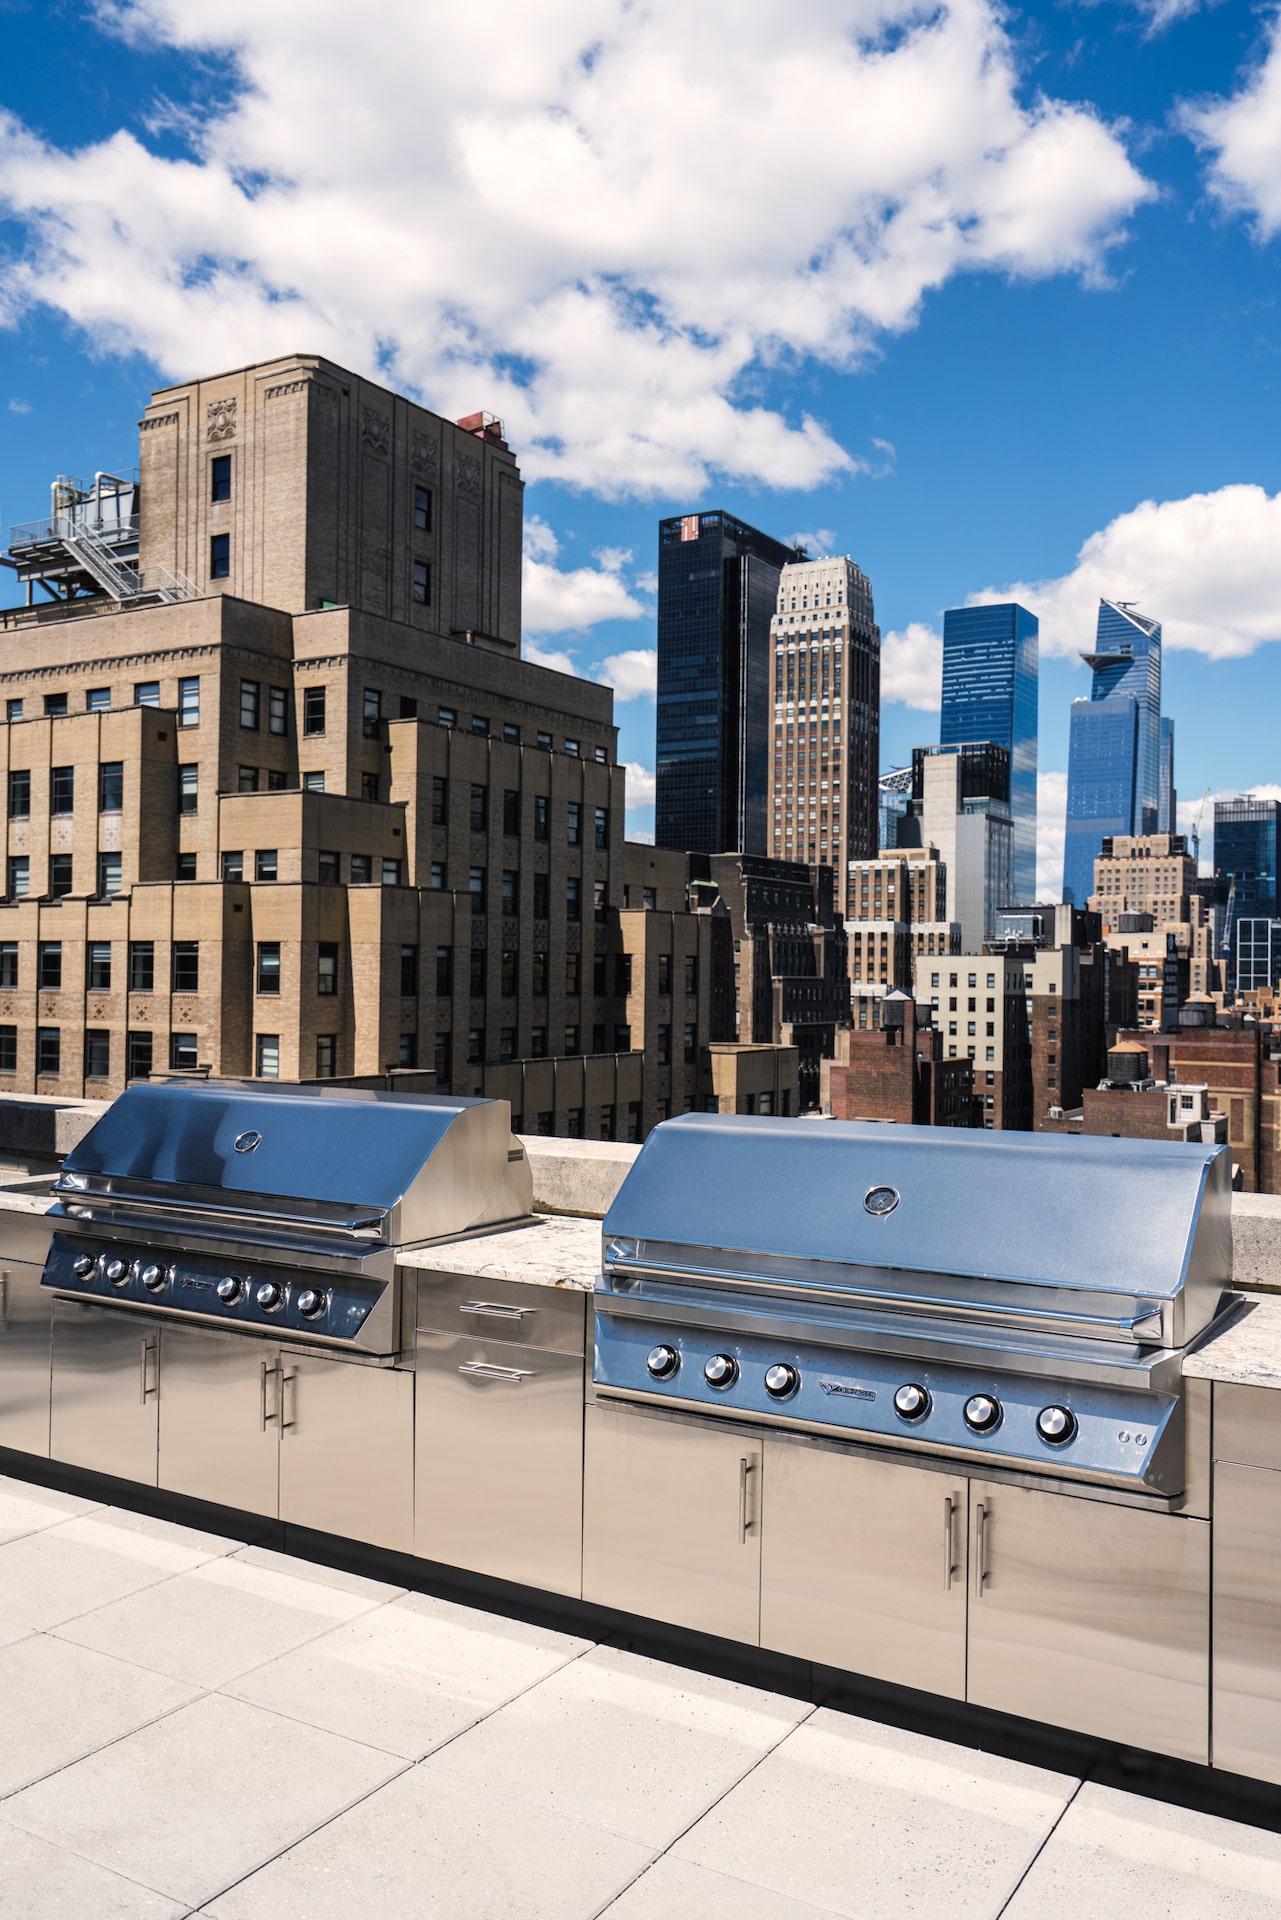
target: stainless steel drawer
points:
(1247, 1425)
(548, 1317)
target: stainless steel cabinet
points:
(1246, 1703)
(671, 1520)
(499, 1452)
(26, 1317)
(1091, 1616)
(347, 1449)
(220, 1417)
(106, 1390)
(863, 1565)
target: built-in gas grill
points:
(277, 1210)
(1013, 1301)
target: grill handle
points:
(507, 1376)
(494, 1310)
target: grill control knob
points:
(721, 1371)
(912, 1401)
(153, 1278)
(83, 1265)
(311, 1303)
(781, 1381)
(1056, 1426)
(269, 1295)
(231, 1289)
(662, 1362)
(982, 1412)
(116, 1271)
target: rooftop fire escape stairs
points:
(88, 547)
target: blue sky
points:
(987, 300)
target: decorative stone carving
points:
(220, 420)
(290, 386)
(375, 430)
(424, 456)
(154, 420)
(467, 475)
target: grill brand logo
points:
(847, 1392)
(246, 1142)
(879, 1201)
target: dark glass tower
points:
(1167, 817)
(717, 592)
(990, 669)
(1247, 840)
(1114, 751)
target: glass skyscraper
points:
(1114, 750)
(1167, 815)
(717, 592)
(1247, 840)
(990, 661)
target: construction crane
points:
(1195, 835)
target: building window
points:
(475, 1046)
(138, 1055)
(573, 748)
(691, 1048)
(265, 864)
(476, 887)
(691, 973)
(99, 958)
(326, 1055)
(313, 710)
(146, 693)
(391, 873)
(250, 704)
(479, 814)
(649, 898)
(542, 890)
(622, 1039)
(313, 782)
(9, 963)
(408, 973)
(267, 1056)
(111, 786)
(277, 780)
(186, 966)
(608, 1122)
(12, 710)
(600, 974)
(538, 1043)
(188, 795)
(60, 875)
(248, 780)
(372, 713)
(422, 509)
(574, 824)
(327, 868)
(511, 891)
(49, 965)
(446, 716)
(48, 1049)
(278, 710)
(573, 975)
(480, 723)
(220, 477)
(439, 800)
(421, 588)
(478, 973)
(599, 754)
(598, 1046)
(622, 973)
(538, 975)
(664, 1046)
(511, 733)
(540, 816)
(507, 1043)
(326, 969)
(186, 866)
(633, 1119)
(598, 900)
(55, 706)
(98, 700)
(182, 1052)
(142, 966)
(509, 965)
(220, 556)
(370, 788)
(444, 971)
(233, 866)
(8, 1049)
(602, 827)
(189, 703)
(268, 966)
(20, 794)
(62, 789)
(571, 1040)
(444, 1059)
(574, 897)
(438, 875)
(407, 1053)
(511, 813)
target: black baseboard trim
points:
(1153, 1776)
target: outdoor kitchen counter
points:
(1247, 1353)
(557, 1251)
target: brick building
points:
(898, 1072)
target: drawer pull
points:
(508, 1376)
(495, 1310)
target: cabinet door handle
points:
(949, 1560)
(509, 1376)
(744, 1523)
(980, 1549)
(268, 1369)
(4, 1303)
(495, 1310)
(286, 1380)
(143, 1388)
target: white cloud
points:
(633, 675)
(641, 786)
(601, 220)
(643, 836)
(558, 661)
(1051, 813)
(19, 406)
(1208, 567)
(569, 601)
(1242, 137)
(912, 667)
(820, 543)
(613, 559)
(1160, 14)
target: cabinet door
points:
(347, 1449)
(1091, 1616)
(499, 1451)
(106, 1389)
(26, 1315)
(1247, 1621)
(671, 1521)
(219, 1417)
(863, 1566)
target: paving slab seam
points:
(373, 1792)
(1009, 1900)
(711, 1807)
(61, 1846)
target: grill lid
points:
(1110, 1227)
(396, 1166)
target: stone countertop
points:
(557, 1251)
(1248, 1351)
(11, 1201)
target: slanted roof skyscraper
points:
(1114, 752)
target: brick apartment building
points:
(898, 1072)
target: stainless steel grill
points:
(277, 1210)
(1014, 1301)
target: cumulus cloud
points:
(603, 221)
(1242, 138)
(556, 600)
(641, 786)
(1208, 567)
(632, 675)
(820, 543)
(1051, 815)
(912, 667)
(19, 406)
